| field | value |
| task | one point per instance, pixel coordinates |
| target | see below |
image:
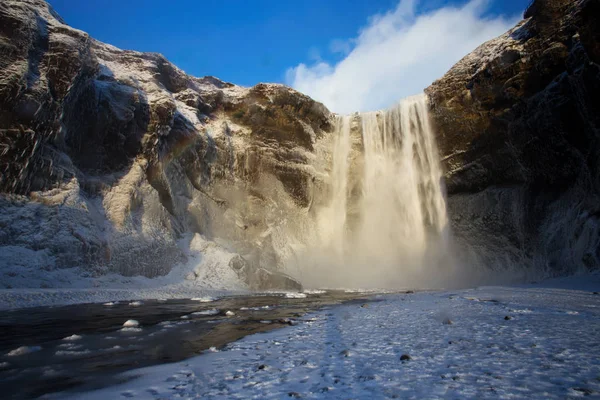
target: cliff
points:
(518, 129)
(116, 161)
(109, 157)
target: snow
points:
(295, 295)
(349, 351)
(131, 323)
(314, 291)
(131, 329)
(72, 338)
(207, 261)
(214, 311)
(206, 299)
(72, 353)
(23, 350)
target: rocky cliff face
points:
(117, 161)
(109, 157)
(518, 124)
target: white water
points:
(393, 232)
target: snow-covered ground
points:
(530, 341)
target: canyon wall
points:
(110, 157)
(518, 127)
(116, 161)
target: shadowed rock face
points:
(518, 124)
(123, 153)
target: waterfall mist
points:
(384, 221)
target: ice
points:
(135, 303)
(131, 323)
(230, 313)
(23, 350)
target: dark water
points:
(168, 332)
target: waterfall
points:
(398, 229)
(339, 185)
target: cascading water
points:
(393, 230)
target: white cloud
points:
(396, 55)
(340, 46)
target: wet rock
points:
(264, 279)
(447, 321)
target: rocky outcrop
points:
(518, 124)
(108, 157)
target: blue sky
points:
(246, 42)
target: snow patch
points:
(214, 311)
(295, 295)
(206, 299)
(72, 338)
(23, 350)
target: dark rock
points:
(123, 136)
(405, 357)
(507, 318)
(447, 321)
(262, 366)
(518, 128)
